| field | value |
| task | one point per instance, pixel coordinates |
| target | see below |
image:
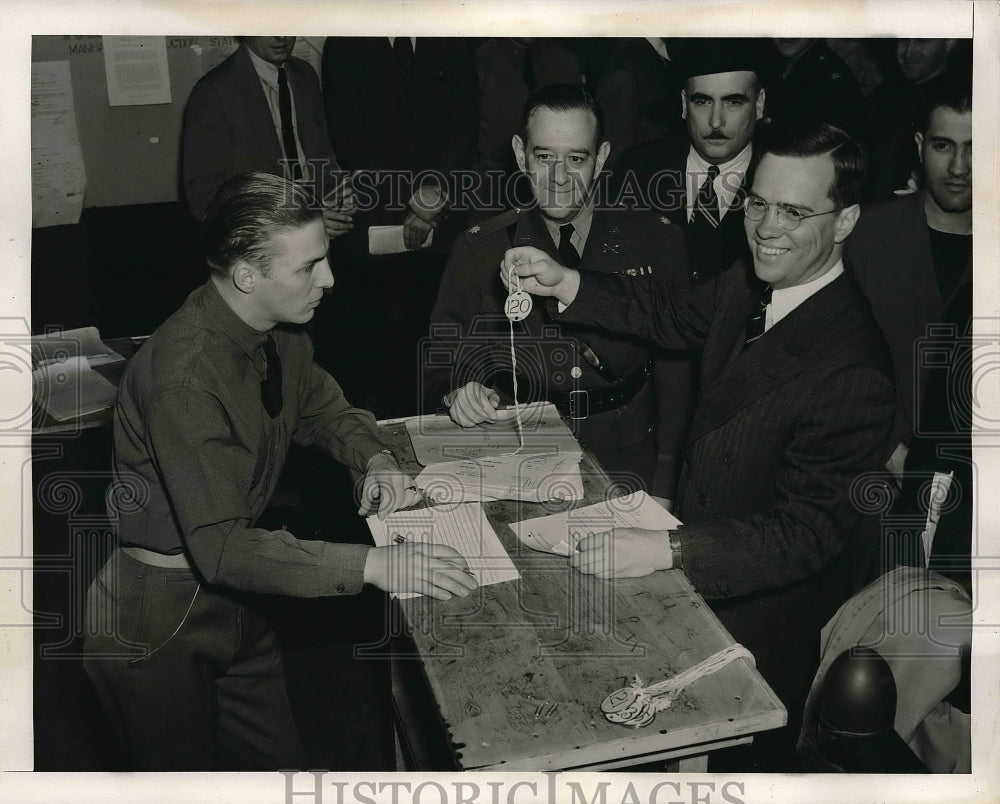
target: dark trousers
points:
(191, 679)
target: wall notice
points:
(136, 69)
(58, 178)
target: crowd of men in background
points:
(707, 191)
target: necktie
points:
(528, 70)
(270, 386)
(567, 251)
(707, 202)
(403, 48)
(287, 125)
(756, 322)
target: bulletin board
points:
(132, 153)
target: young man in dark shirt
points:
(187, 669)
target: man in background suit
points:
(601, 382)
(912, 254)
(699, 182)
(796, 403)
(234, 123)
(402, 114)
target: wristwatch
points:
(675, 549)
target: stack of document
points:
(65, 383)
(560, 533)
(517, 476)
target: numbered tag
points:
(619, 700)
(518, 306)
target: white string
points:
(665, 692)
(511, 279)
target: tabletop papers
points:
(437, 439)
(559, 533)
(462, 527)
(522, 476)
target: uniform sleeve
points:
(666, 314)
(814, 518)
(208, 141)
(205, 476)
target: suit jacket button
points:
(340, 587)
(696, 276)
(728, 460)
(702, 500)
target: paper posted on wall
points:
(560, 533)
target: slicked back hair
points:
(246, 213)
(562, 98)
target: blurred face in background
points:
(790, 48)
(272, 49)
(920, 59)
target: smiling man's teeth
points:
(771, 251)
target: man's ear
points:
(761, 96)
(245, 277)
(684, 105)
(918, 138)
(602, 155)
(847, 219)
(518, 145)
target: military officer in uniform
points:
(609, 387)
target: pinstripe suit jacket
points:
(779, 435)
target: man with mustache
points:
(699, 182)
(911, 255)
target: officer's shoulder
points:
(637, 220)
(481, 231)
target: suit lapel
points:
(258, 113)
(771, 362)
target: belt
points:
(586, 402)
(144, 556)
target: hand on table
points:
(435, 570)
(623, 553)
(386, 487)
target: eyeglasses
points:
(789, 218)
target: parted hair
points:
(562, 98)
(246, 212)
(850, 161)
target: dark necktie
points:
(707, 202)
(287, 125)
(756, 322)
(567, 251)
(270, 386)
(403, 48)
(528, 70)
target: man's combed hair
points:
(850, 162)
(952, 92)
(562, 98)
(244, 215)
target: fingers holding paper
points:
(435, 570)
(387, 488)
(472, 404)
(622, 553)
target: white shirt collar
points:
(727, 183)
(787, 299)
(413, 42)
(268, 72)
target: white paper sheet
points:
(58, 178)
(524, 476)
(437, 439)
(559, 533)
(463, 527)
(82, 342)
(136, 70)
(70, 388)
(389, 240)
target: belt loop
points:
(578, 400)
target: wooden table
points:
(512, 677)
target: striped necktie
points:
(756, 322)
(707, 202)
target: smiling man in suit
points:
(601, 382)
(796, 403)
(261, 110)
